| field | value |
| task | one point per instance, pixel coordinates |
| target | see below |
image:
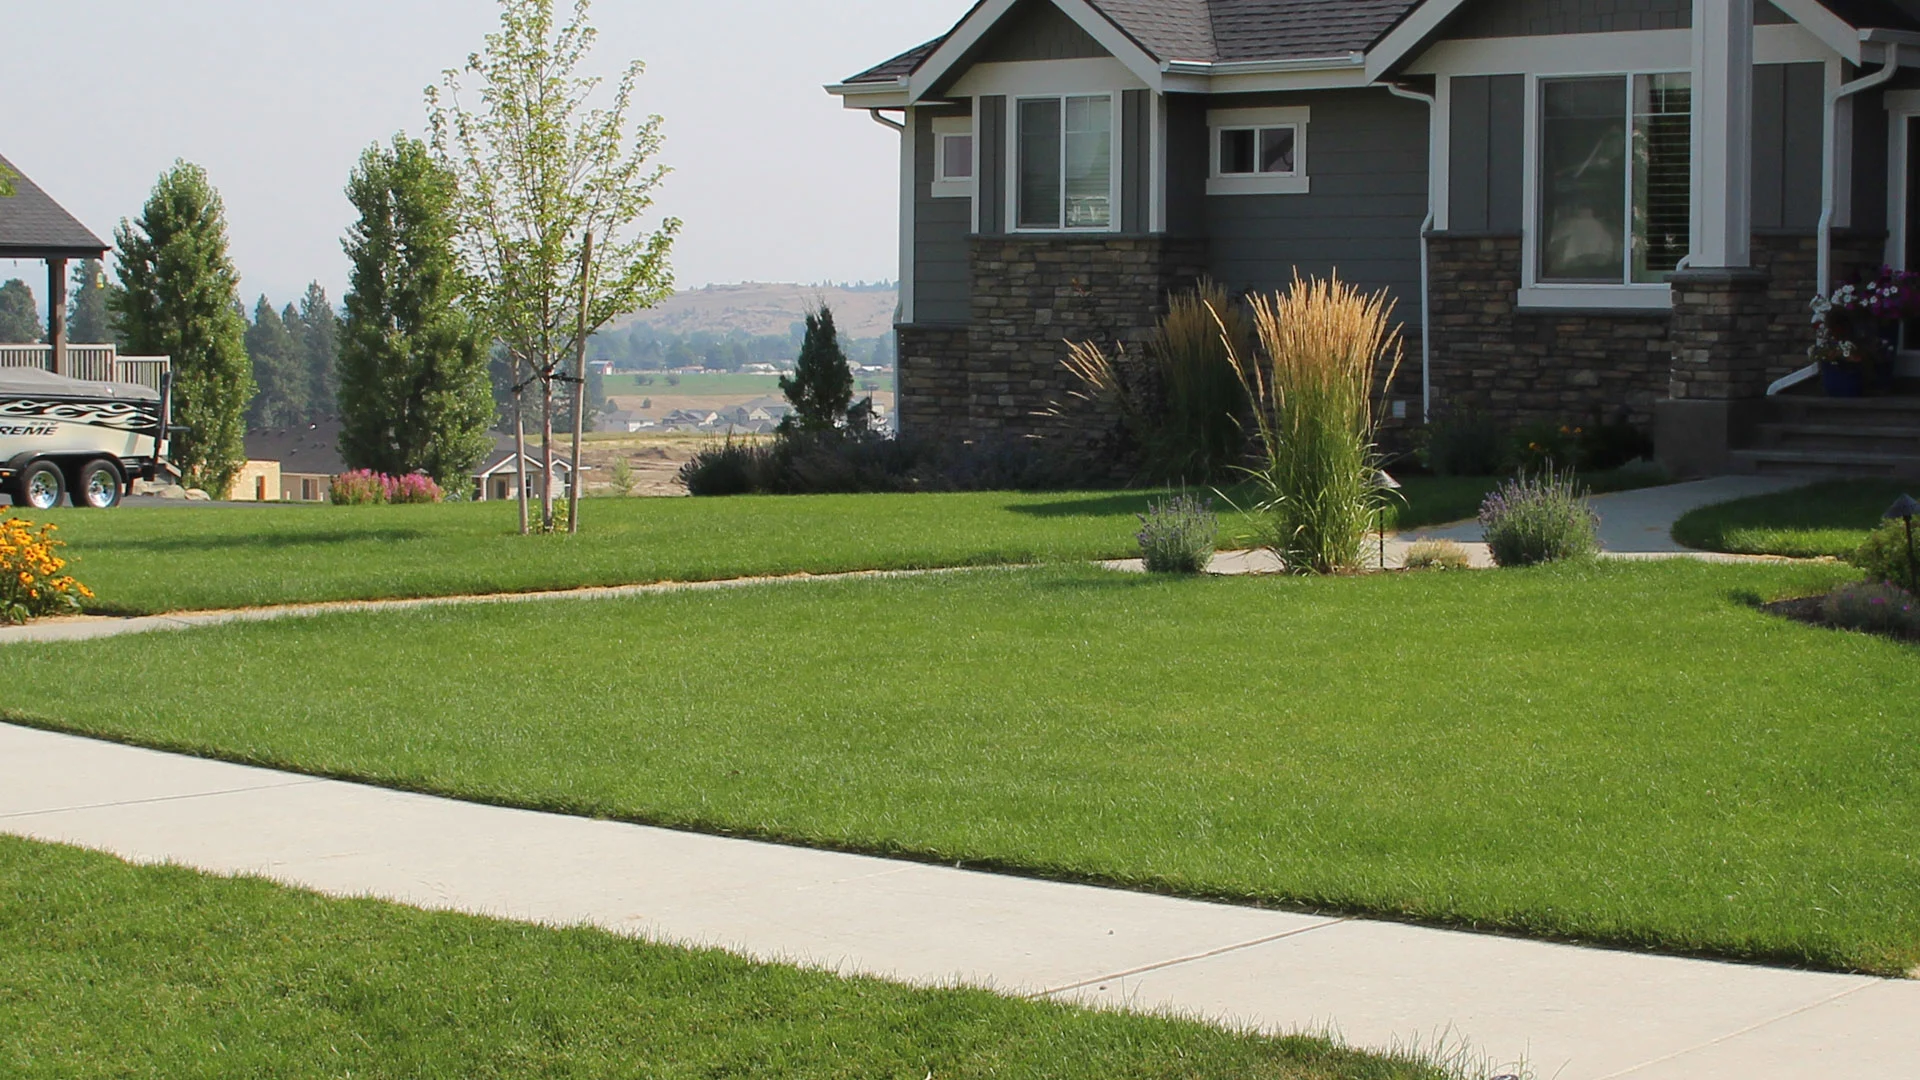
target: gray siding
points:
(1367, 159)
(1487, 134)
(1787, 132)
(1036, 30)
(1536, 18)
(942, 292)
(991, 184)
(1136, 160)
(1187, 164)
(1870, 158)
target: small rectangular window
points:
(1258, 151)
(956, 157)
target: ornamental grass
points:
(1322, 344)
(33, 581)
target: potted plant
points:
(1857, 331)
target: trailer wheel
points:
(97, 485)
(39, 486)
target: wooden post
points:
(519, 444)
(57, 315)
(579, 386)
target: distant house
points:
(622, 420)
(496, 479)
(600, 367)
(295, 464)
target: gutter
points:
(1264, 67)
(1426, 254)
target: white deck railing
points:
(100, 363)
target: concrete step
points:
(1830, 463)
(1898, 412)
(1860, 438)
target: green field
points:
(728, 385)
(1619, 753)
(112, 970)
(144, 559)
(1831, 519)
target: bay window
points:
(1065, 163)
(1615, 179)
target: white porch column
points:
(1722, 134)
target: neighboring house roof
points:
(33, 226)
(502, 457)
(311, 449)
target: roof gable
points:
(33, 226)
(1036, 30)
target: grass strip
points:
(1830, 519)
(115, 970)
(1626, 754)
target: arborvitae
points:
(821, 388)
(282, 401)
(179, 297)
(88, 320)
(414, 393)
(319, 338)
(19, 315)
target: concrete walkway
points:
(1639, 524)
(1570, 1013)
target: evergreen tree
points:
(414, 391)
(319, 338)
(178, 296)
(821, 388)
(277, 370)
(19, 315)
(88, 320)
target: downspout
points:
(1830, 149)
(900, 128)
(884, 122)
(1426, 258)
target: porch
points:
(99, 363)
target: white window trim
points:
(1535, 293)
(944, 186)
(1297, 182)
(1114, 210)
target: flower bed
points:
(33, 581)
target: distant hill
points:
(760, 308)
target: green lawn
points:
(1824, 519)
(1630, 754)
(144, 559)
(693, 385)
(112, 970)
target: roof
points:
(310, 448)
(33, 226)
(502, 456)
(1233, 31)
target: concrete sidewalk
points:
(1639, 524)
(1570, 1013)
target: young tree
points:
(821, 389)
(319, 338)
(88, 320)
(413, 367)
(179, 297)
(19, 315)
(541, 167)
(282, 400)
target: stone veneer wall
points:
(1721, 341)
(1003, 376)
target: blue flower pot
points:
(1844, 380)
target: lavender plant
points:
(1178, 535)
(1873, 608)
(1539, 518)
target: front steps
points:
(1835, 437)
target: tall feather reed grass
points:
(1322, 343)
(1186, 405)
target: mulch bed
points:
(1807, 609)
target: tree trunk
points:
(546, 448)
(519, 445)
(579, 386)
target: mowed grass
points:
(147, 559)
(113, 970)
(1830, 519)
(1627, 754)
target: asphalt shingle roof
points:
(33, 226)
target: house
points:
(294, 464)
(496, 478)
(1582, 208)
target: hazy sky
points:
(775, 182)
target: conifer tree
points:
(821, 388)
(282, 400)
(88, 320)
(414, 392)
(19, 315)
(179, 297)
(319, 338)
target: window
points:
(1615, 179)
(952, 157)
(1065, 163)
(1258, 151)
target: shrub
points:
(413, 488)
(1178, 535)
(732, 468)
(1545, 447)
(1884, 557)
(1873, 608)
(1437, 555)
(1539, 518)
(1608, 446)
(33, 582)
(1466, 445)
(1322, 342)
(361, 487)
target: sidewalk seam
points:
(304, 782)
(1178, 960)
(1732, 1035)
